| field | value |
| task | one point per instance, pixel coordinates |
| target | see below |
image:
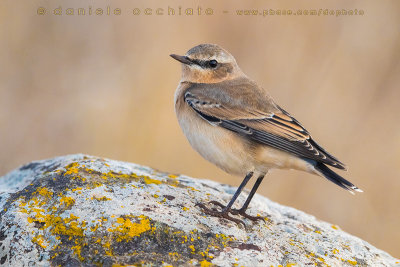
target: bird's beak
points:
(182, 59)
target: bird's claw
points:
(220, 214)
(225, 213)
(243, 213)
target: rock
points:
(86, 211)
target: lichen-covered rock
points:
(86, 211)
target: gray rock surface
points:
(81, 210)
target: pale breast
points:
(219, 146)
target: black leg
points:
(224, 213)
(242, 210)
(252, 192)
(238, 191)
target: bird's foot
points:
(243, 213)
(224, 213)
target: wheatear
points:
(235, 124)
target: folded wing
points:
(260, 120)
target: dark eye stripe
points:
(203, 63)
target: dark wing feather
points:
(276, 128)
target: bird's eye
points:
(213, 63)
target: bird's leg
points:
(242, 210)
(224, 213)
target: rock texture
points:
(86, 211)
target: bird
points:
(235, 124)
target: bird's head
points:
(208, 63)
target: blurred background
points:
(104, 85)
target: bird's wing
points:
(256, 117)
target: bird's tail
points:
(324, 171)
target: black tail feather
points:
(335, 178)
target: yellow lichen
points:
(77, 251)
(185, 238)
(40, 241)
(68, 226)
(205, 263)
(43, 191)
(77, 189)
(148, 180)
(193, 189)
(107, 248)
(352, 262)
(174, 255)
(72, 168)
(311, 254)
(103, 198)
(126, 229)
(174, 183)
(67, 201)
